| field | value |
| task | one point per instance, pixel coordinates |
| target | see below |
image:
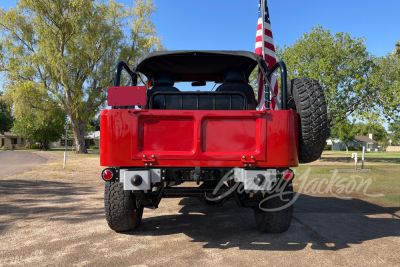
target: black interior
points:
(235, 81)
(234, 94)
(163, 82)
(198, 101)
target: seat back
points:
(235, 82)
(163, 82)
(198, 100)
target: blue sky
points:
(231, 24)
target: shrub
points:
(328, 147)
(26, 146)
(94, 147)
(33, 146)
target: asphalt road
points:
(59, 221)
(14, 162)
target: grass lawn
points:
(384, 175)
(90, 153)
(372, 154)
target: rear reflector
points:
(288, 175)
(107, 175)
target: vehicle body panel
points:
(205, 138)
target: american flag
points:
(265, 48)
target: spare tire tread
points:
(311, 107)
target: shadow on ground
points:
(324, 223)
(46, 200)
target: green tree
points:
(397, 48)
(63, 53)
(95, 123)
(6, 118)
(344, 131)
(394, 128)
(353, 80)
(375, 128)
(41, 126)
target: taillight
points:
(288, 174)
(107, 174)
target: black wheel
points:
(277, 221)
(306, 96)
(123, 211)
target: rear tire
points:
(275, 221)
(306, 96)
(123, 212)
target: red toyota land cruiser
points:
(156, 137)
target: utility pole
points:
(362, 164)
(66, 142)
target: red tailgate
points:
(200, 135)
(207, 138)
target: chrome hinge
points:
(148, 161)
(248, 162)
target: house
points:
(369, 143)
(359, 141)
(91, 138)
(10, 140)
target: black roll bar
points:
(267, 77)
(118, 71)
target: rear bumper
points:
(152, 177)
(204, 138)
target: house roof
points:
(9, 134)
(360, 138)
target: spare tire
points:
(306, 96)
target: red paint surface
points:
(206, 138)
(126, 96)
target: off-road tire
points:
(306, 96)
(123, 213)
(275, 221)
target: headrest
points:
(234, 75)
(163, 78)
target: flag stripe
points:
(265, 49)
(269, 46)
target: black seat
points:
(235, 81)
(163, 82)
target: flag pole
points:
(262, 26)
(265, 89)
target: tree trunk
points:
(79, 135)
(347, 148)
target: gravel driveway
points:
(57, 219)
(14, 161)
